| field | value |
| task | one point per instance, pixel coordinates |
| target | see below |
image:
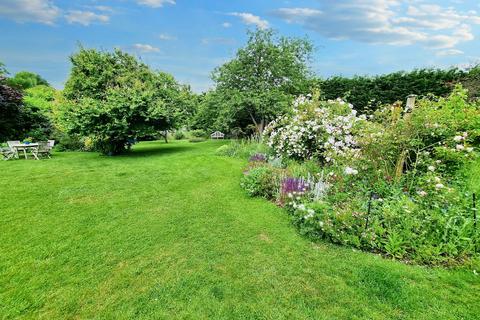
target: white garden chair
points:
(12, 145)
(51, 143)
(7, 153)
(43, 150)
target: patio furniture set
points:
(38, 150)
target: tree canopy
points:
(19, 120)
(24, 80)
(115, 99)
(258, 84)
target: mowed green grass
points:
(166, 233)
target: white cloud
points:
(387, 22)
(85, 18)
(226, 24)
(224, 41)
(155, 3)
(449, 52)
(166, 37)
(250, 19)
(43, 11)
(104, 8)
(145, 48)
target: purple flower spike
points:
(258, 157)
(294, 186)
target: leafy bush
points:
(65, 142)
(316, 129)
(198, 134)
(196, 140)
(115, 99)
(179, 135)
(261, 181)
(243, 149)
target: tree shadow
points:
(155, 150)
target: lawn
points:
(165, 232)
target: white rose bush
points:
(322, 130)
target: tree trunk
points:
(258, 125)
(165, 136)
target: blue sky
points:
(190, 38)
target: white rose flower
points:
(351, 171)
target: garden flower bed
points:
(393, 182)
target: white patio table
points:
(23, 147)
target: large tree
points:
(115, 99)
(24, 80)
(19, 120)
(10, 109)
(260, 82)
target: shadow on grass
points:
(156, 150)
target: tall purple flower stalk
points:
(294, 186)
(258, 157)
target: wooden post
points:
(411, 101)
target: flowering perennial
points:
(317, 129)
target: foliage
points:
(115, 99)
(20, 119)
(367, 93)
(209, 115)
(244, 148)
(179, 135)
(260, 181)
(3, 69)
(43, 97)
(258, 157)
(24, 80)
(399, 190)
(198, 133)
(69, 142)
(316, 129)
(260, 82)
(471, 82)
(11, 110)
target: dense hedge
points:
(366, 92)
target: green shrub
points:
(179, 135)
(225, 150)
(243, 149)
(261, 181)
(198, 134)
(66, 142)
(194, 140)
